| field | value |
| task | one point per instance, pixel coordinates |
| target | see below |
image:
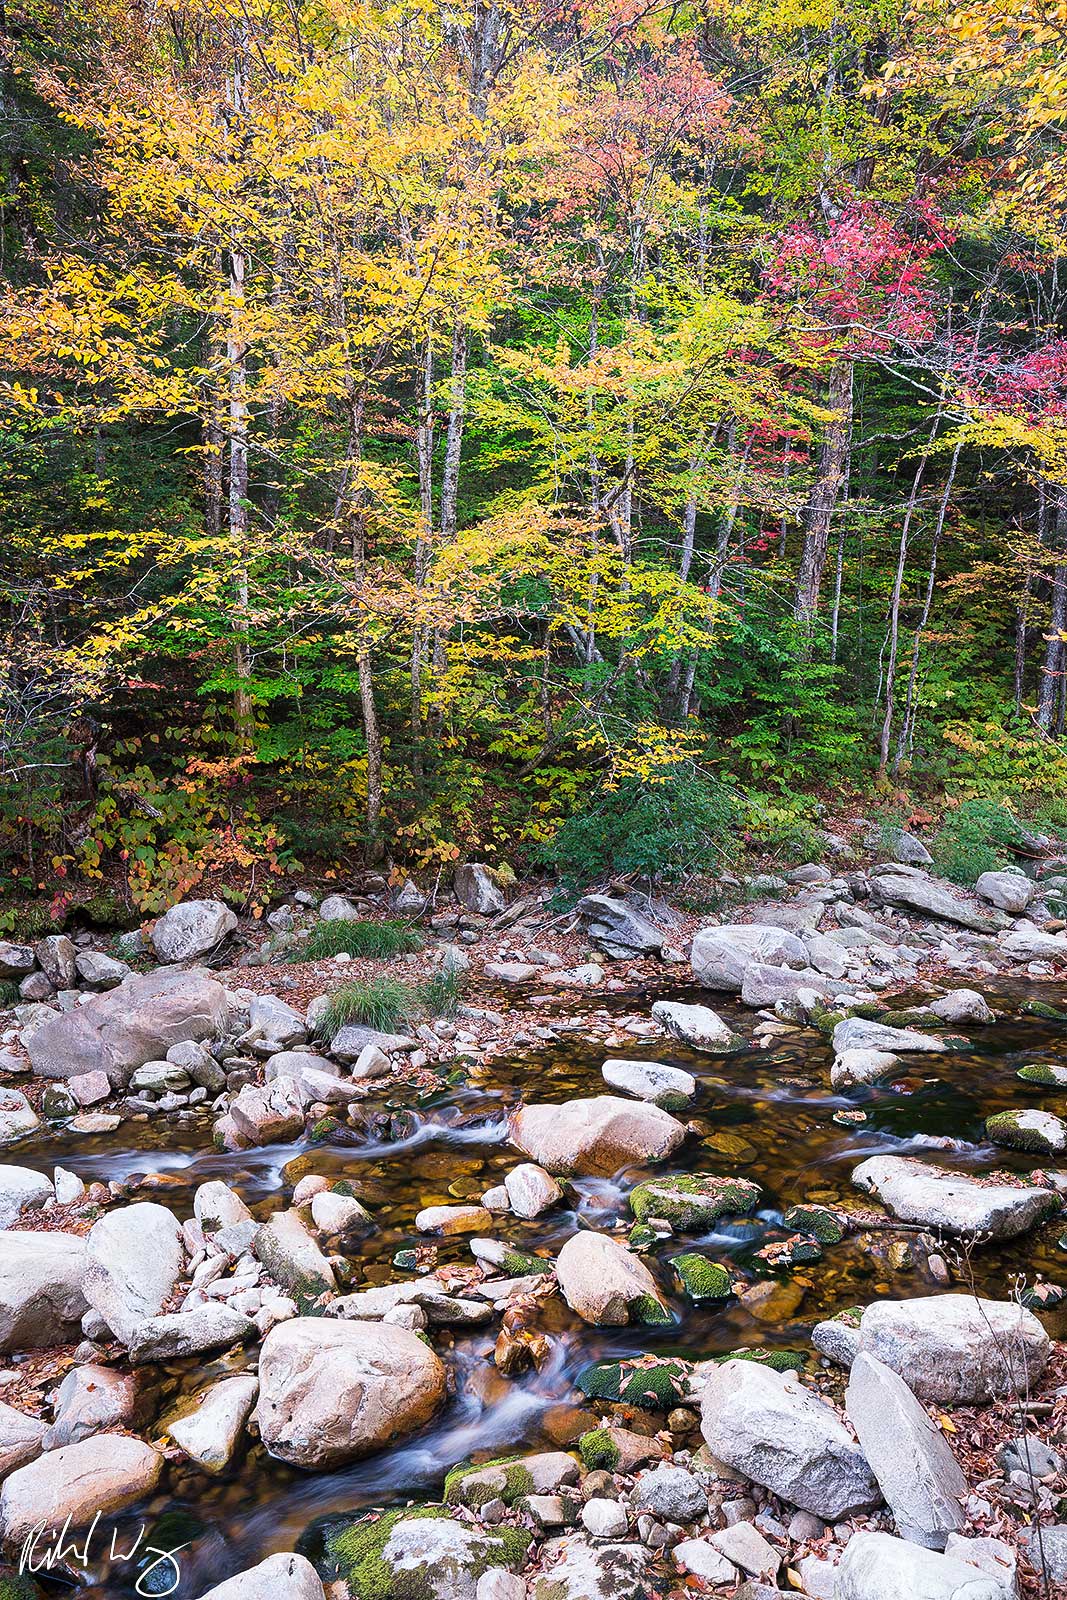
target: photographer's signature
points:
(44, 1548)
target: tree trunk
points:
(1053, 665)
(420, 632)
(237, 362)
(907, 725)
(894, 620)
(818, 513)
(454, 438)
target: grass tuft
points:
(387, 1004)
(372, 940)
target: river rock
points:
(863, 1067)
(339, 908)
(595, 1572)
(699, 1027)
(210, 1433)
(273, 1022)
(768, 986)
(16, 960)
(764, 1425)
(1008, 891)
(670, 1493)
(618, 927)
(595, 1137)
(450, 1220)
(1038, 1132)
(271, 1113)
(41, 1297)
(918, 1474)
(957, 1349)
(21, 1439)
(349, 1043)
(21, 1189)
(100, 971)
(104, 1475)
(693, 1202)
(56, 956)
(192, 928)
(1048, 1552)
(531, 1190)
(216, 1205)
(119, 1031)
(294, 1260)
(995, 1557)
(477, 890)
(858, 1033)
(961, 1006)
(331, 1391)
(196, 1059)
(440, 1558)
(134, 1258)
(606, 1284)
(914, 890)
(17, 1116)
(178, 1334)
(936, 1197)
(281, 1577)
(720, 956)
(875, 1566)
(1028, 943)
(664, 1086)
(92, 1399)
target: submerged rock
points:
(699, 1027)
(692, 1202)
(331, 1391)
(664, 1086)
(915, 1191)
(595, 1137)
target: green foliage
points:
(386, 1004)
(974, 838)
(375, 940)
(660, 828)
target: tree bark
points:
(818, 513)
(1053, 665)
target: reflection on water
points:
(763, 1114)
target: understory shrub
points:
(374, 940)
(976, 837)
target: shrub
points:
(660, 828)
(975, 838)
(374, 940)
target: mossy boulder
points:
(504, 1479)
(641, 1238)
(651, 1382)
(1037, 1132)
(777, 1360)
(417, 1553)
(693, 1202)
(1042, 1009)
(598, 1451)
(820, 1222)
(1043, 1072)
(781, 1254)
(702, 1279)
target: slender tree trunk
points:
(894, 620)
(420, 632)
(907, 724)
(818, 513)
(457, 412)
(1053, 665)
(237, 367)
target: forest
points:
(597, 434)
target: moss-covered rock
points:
(504, 1478)
(777, 1360)
(702, 1279)
(820, 1222)
(781, 1254)
(20, 1586)
(651, 1382)
(642, 1238)
(417, 1553)
(598, 1451)
(693, 1202)
(1043, 1296)
(1037, 1132)
(1045, 1073)
(1042, 1009)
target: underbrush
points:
(387, 1004)
(373, 940)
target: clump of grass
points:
(387, 1004)
(374, 940)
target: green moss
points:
(1041, 1008)
(819, 1221)
(654, 1385)
(505, 1479)
(649, 1311)
(641, 1238)
(324, 1129)
(702, 1279)
(353, 1552)
(777, 1360)
(1043, 1072)
(1006, 1129)
(516, 1264)
(598, 1452)
(784, 1253)
(16, 1586)
(695, 1201)
(904, 1019)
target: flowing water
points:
(762, 1114)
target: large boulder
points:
(477, 890)
(119, 1031)
(875, 1566)
(1033, 944)
(41, 1297)
(93, 1399)
(916, 1191)
(859, 1033)
(764, 1425)
(422, 1555)
(21, 1439)
(1008, 891)
(134, 1258)
(919, 1476)
(699, 1027)
(588, 1571)
(720, 956)
(100, 1476)
(209, 1434)
(192, 929)
(605, 1283)
(619, 928)
(282, 1577)
(914, 890)
(594, 1138)
(22, 1189)
(331, 1391)
(957, 1349)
